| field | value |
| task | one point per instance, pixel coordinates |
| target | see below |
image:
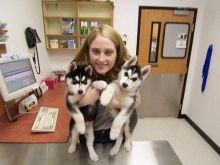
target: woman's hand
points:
(90, 97)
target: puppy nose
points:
(80, 92)
(124, 85)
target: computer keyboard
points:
(46, 120)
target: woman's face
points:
(102, 54)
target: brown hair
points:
(82, 57)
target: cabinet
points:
(67, 22)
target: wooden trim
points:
(2, 49)
(165, 8)
(158, 41)
(188, 61)
(1, 106)
(138, 31)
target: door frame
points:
(190, 45)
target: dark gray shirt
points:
(103, 119)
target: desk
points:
(143, 153)
(20, 130)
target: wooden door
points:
(165, 37)
(159, 38)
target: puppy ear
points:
(73, 66)
(145, 71)
(130, 61)
(88, 69)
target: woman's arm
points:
(90, 97)
(138, 100)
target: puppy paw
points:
(127, 145)
(105, 99)
(80, 123)
(72, 148)
(113, 151)
(100, 85)
(94, 157)
(81, 128)
(116, 128)
(114, 133)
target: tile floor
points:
(190, 147)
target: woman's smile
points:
(102, 54)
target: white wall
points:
(18, 15)
(204, 108)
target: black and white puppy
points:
(125, 87)
(78, 79)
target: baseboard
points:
(203, 134)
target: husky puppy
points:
(125, 87)
(78, 79)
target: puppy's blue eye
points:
(134, 79)
(126, 74)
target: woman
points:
(105, 51)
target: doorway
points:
(165, 37)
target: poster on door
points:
(181, 41)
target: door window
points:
(154, 43)
(175, 40)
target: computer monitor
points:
(17, 77)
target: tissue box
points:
(51, 81)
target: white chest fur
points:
(73, 98)
(125, 98)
